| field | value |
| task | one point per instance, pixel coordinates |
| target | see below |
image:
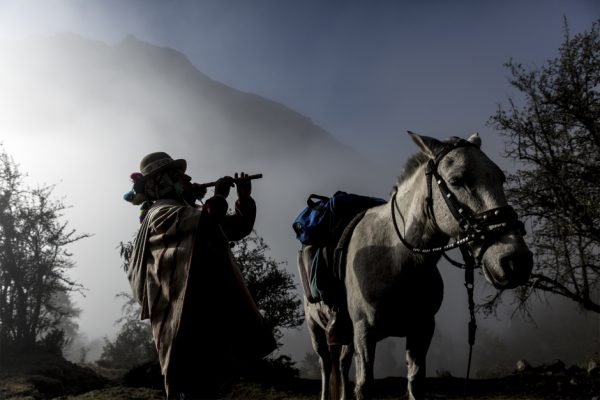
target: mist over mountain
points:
(82, 114)
(156, 91)
(79, 97)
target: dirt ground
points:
(46, 377)
(390, 388)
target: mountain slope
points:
(82, 114)
(70, 77)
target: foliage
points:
(68, 312)
(309, 366)
(34, 260)
(272, 370)
(133, 345)
(125, 251)
(555, 135)
(273, 291)
(270, 285)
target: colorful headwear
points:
(151, 183)
(137, 195)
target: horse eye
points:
(456, 181)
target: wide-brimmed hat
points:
(159, 161)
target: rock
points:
(557, 367)
(48, 386)
(575, 370)
(573, 382)
(523, 366)
(52, 371)
(145, 375)
(592, 367)
(48, 375)
(17, 388)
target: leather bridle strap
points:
(418, 250)
(470, 266)
(461, 214)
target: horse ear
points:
(428, 145)
(475, 139)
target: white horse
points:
(334, 359)
(393, 287)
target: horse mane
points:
(416, 160)
(413, 164)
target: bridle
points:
(483, 228)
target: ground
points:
(44, 377)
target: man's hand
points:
(244, 186)
(223, 186)
(199, 191)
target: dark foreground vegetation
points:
(46, 376)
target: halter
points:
(484, 228)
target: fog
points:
(317, 98)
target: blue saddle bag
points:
(322, 219)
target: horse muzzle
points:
(511, 270)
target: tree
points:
(133, 344)
(555, 135)
(270, 285)
(33, 261)
(64, 315)
(309, 366)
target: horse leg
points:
(417, 344)
(319, 343)
(364, 345)
(346, 361)
(341, 360)
(335, 381)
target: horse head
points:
(466, 199)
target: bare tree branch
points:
(553, 131)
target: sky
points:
(364, 71)
(361, 70)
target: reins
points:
(469, 266)
(483, 228)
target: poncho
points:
(184, 276)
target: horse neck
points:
(412, 218)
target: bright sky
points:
(364, 71)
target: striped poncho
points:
(184, 276)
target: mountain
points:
(157, 90)
(82, 114)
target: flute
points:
(248, 177)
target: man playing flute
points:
(205, 324)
